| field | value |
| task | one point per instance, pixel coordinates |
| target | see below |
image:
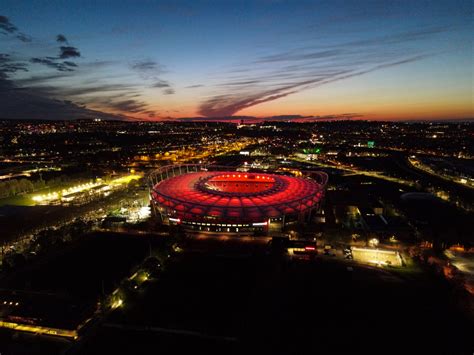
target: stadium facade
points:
(219, 199)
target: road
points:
(356, 171)
(418, 165)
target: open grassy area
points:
(243, 301)
(21, 200)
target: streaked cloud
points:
(58, 62)
(275, 76)
(161, 84)
(52, 63)
(148, 68)
(8, 28)
(10, 66)
(68, 52)
(61, 38)
(284, 118)
(151, 70)
(23, 103)
(130, 105)
(194, 86)
(257, 58)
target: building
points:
(217, 199)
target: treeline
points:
(15, 187)
(43, 242)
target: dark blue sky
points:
(150, 59)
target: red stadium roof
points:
(233, 196)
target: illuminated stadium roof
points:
(230, 196)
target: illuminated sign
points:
(316, 150)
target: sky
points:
(161, 60)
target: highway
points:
(416, 164)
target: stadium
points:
(219, 199)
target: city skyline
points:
(159, 61)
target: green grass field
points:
(22, 200)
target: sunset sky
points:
(154, 60)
